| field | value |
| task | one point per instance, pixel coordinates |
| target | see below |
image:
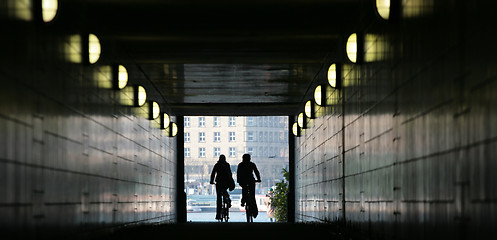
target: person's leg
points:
(244, 195)
(219, 194)
(252, 196)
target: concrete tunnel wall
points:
(407, 148)
(73, 158)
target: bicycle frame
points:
(224, 208)
(248, 205)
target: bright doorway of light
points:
(265, 138)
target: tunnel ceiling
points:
(218, 57)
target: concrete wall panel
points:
(409, 150)
(74, 160)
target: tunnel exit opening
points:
(206, 138)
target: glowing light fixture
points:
(122, 77)
(318, 95)
(155, 110)
(174, 129)
(93, 48)
(332, 75)
(141, 96)
(300, 120)
(383, 8)
(295, 129)
(49, 9)
(166, 121)
(308, 109)
(352, 47)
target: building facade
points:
(207, 137)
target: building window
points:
(187, 152)
(187, 122)
(201, 136)
(217, 122)
(201, 122)
(250, 150)
(201, 152)
(261, 137)
(217, 136)
(232, 122)
(187, 137)
(250, 137)
(217, 152)
(250, 122)
(232, 152)
(232, 136)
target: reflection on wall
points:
(75, 157)
(103, 77)
(376, 48)
(20, 9)
(409, 152)
(417, 8)
(73, 49)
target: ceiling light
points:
(166, 121)
(300, 120)
(318, 95)
(93, 48)
(140, 96)
(155, 110)
(352, 47)
(122, 77)
(49, 9)
(295, 129)
(174, 129)
(309, 109)
(383, 8)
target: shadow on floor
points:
(238, 231)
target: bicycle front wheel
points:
(226, 214)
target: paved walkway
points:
(232, 231)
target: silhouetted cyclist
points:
(221, 175)
(245, 177)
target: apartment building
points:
(207, 137)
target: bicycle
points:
(249, 205)
(225, 207)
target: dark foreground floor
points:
(253, 231)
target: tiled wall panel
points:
(73, 160)
(408, 151)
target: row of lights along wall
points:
(86, 48)
(355, 53)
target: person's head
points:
(246, 157)
(222, 158)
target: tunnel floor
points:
(228, 230)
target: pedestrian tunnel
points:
(387, 109)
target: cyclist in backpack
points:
(245, 177)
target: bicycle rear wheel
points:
(248, 213)
(226, 213)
